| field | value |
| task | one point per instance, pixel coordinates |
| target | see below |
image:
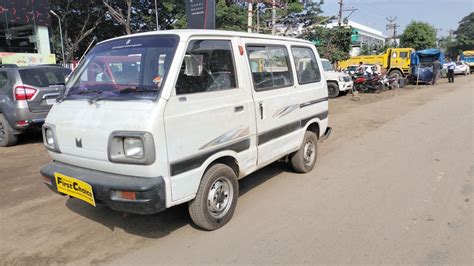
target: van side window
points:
(207, 66)
(270, 67)
(307, 67)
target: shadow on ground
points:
(162, 224)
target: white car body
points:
(343, 80)
(192, 131)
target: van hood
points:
(82, 129)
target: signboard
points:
(24, 12)
(25, 59)
(201, 14)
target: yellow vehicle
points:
(395, 60)
(468, 57)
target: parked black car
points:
(26, 95)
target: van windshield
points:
(129, 68)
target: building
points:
(364, 35)
(24, 32)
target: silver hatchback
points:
(26, 96)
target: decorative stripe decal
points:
(286, 110)
(228, 136)
(313, 102)
(286, 129)
(197, 160)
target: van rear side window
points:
(306, 65)
(207, 66)
(270, 67)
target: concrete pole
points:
(273, 17)
(249, 20)
(60, 34)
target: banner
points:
(201, 14)
(25, 59)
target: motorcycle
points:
(368, 83)
(389, 82)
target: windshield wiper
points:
(138, 90)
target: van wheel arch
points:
(314, 127)
(227, 160)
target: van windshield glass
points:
(129, 68)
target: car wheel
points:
(216, 198)
(304, 159)
(333, 90)
(7, 138)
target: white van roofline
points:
(187, 33)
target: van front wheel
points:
(216, 198)
(304, 159)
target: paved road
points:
(393, 184)
(400, 194)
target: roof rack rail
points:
(8, 65)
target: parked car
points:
(179, 116)
(338, 82)
(26, 96)
(461, 68)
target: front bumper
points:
(150, 192)
(345, 85)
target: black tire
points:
(7, 138)
(397, 74)
(302, 161)
(216, 181)
(333, 90)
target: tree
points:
(333, 44)
(465, 33)
(418, 35)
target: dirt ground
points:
(39, 227)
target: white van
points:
(152, 120)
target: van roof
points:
(186, 33)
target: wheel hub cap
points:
(219, 198)
(309, 153)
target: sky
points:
(443, 14)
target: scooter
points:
(389, 82)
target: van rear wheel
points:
(304, 159)
(216, 198)
(7, 138)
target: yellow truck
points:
(395, 60)
(468, 57)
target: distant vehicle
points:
(338, 82)
(468, 57)
(461, 68)
(352, 69)
(26, 95)
(395, 60)
(422, 64)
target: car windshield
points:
(128, 68)
(327, 66)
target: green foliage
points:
(370, 49)
(465, 33)
(418, 35)
(230, 16)
(333, 44)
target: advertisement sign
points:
(201, 14)
(25, 59)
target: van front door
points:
(209, 112)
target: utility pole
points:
(341, 10)
(273, 17)
(392, 29)
(249, 16)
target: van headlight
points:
(49, 138)
(133, 147)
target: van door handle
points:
(239, 108)
(261, 109)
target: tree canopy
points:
(418, 35)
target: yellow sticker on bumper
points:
(75, 188)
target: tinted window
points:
(3, 79)
(307, 68)
(403, 54)
(270, 67)
(207, 66)
(43, 77)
